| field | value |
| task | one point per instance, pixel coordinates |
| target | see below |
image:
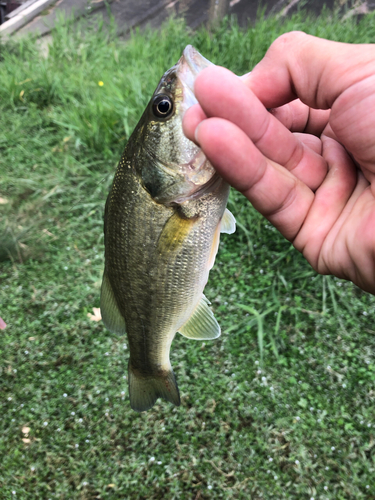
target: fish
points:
(162, 223)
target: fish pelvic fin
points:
(144, 391)
(228, 223)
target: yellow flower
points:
(100, 84)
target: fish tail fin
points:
(144, 391)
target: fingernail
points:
(196, 134)
(246, 75)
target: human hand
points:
(309, 165)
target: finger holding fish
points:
(222, 94)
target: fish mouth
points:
(191, 63)
(198, 171)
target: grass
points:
(280, 407)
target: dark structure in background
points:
(6, 8)
(130, 14)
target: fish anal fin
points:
(202, 324)
(111, 315)
(144, 391)
(228, 223)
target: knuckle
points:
(286, 40)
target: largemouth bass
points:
(162, 223)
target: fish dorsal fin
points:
(228, 223)
(111, 316)
(202, 324)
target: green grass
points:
(280, 407)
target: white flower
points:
(80, 420)
(326, 488)
(76, 445)
(311, 408)
(9, 399)
(58, 430)
(275, 477)
(368, 425)
(65, 395)
(159, 463)
(344, 385)
(298, 418)
(271, 388)
(45, 424)
(87, 441)
(66, 268)
(152, 459)
(333, 448)
(296, 462)
(270, 459)
(73, 413)
(106, 354)
(124, 346)
(26, 352)
(209, 487)
(32, 468)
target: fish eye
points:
(162, 106)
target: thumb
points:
(315, 70)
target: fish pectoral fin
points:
(228, 223)
(202, 324)
(144, 391)
(111, 316)
(174, 233)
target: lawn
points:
(281, 406)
